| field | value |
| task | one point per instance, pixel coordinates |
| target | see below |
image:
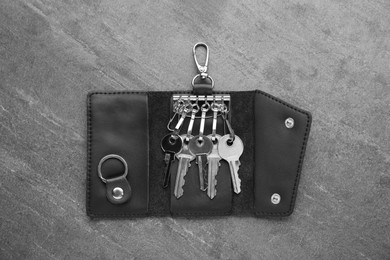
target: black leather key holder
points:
(194, 153)
(118, 190)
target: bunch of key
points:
(206, 150)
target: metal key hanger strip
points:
(204, 77)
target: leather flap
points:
(118, 124)
(280, 148)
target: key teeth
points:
(180, 193)
(183, 181)
(215, 189)
(181, 188)
(238, 180)
(238, 177)
(212, 195)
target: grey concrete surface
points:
(330, 57)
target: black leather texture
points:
(278, 155)
(203, 89)
(131, 124)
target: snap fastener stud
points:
(117, 193)
(275, 198)
(289, 122)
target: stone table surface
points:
(329, 57)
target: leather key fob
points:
(118, 189)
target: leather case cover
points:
(132, 124)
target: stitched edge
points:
(89, 140)
(302, 154)
(127, 216)
(203, 213)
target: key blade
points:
(202, 171)
(200, 162)
(234, 167)
(184, 164)
(167, 158)
(167, 173)
(213, 167)
(178, 192)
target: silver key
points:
(201, 148)
(213, 167)
(231, 152)
(185, 157)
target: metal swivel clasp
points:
(202, 68)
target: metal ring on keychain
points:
(111, 156)
(207, 76)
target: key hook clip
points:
(202, 68)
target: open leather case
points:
(131, 124)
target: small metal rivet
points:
(117, 193)
(289, 122)
(275, 198)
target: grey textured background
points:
(329, 57)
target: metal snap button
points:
(117, 193)
(289, 122)
(275, 198)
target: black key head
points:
(171, 143)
